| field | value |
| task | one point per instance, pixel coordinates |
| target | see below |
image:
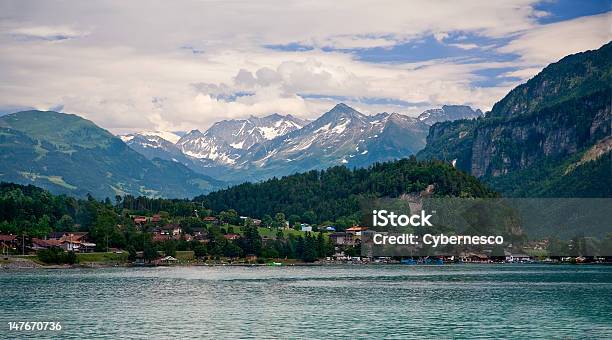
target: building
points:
(7, 242)
(306, 227)
(356, 230)
(39, 244)
(140, 220)
(231, 236)
(67, 240)
(210, 219)
(343, 239)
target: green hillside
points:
(334, 194)
(70, 155)
(525, 144)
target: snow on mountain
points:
(151, 144)
(449, 112)
(226, 141)
(207, 146)
(275, 145)
(341, 136)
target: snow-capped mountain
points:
(341, 136)
(449, 112)
(226, 141)
(244, 133)
(276, 145)
(207, 146)
(156, 144)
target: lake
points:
(344, 301)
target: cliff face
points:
(552, 133)
(542, 124)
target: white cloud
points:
(469, 46)
(46, 32)
(183, 65)
(549, 43)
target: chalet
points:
(231, 236)
(210, 219)
(38, 244)
(169, 229)
(7, 242)
(140, 220)
(67, 240)
(356, 230)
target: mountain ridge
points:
(524, 144)
(71, 155)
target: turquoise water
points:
(455, 301)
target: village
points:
(208, 243)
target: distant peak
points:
(342, 107)
(194, 132)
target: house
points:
(68, 235)
(67, 240)
(167, 260)
(330, 228)
(8, 242)
(256, 222)
(342, 238)
(156, 218)
(38, 244)
(172, 229)
(210, 219)
(140, 220)
(305, 227)
(231, 236)
(356, 230)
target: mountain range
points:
(549, 137)
(277, 145)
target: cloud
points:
(549, 43)
(49, 33)
(469, 46)
(155, 65)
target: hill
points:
(70, 155)
(526, 143)
(334, 194)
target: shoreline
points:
(25, 264)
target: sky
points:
(180, 65)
